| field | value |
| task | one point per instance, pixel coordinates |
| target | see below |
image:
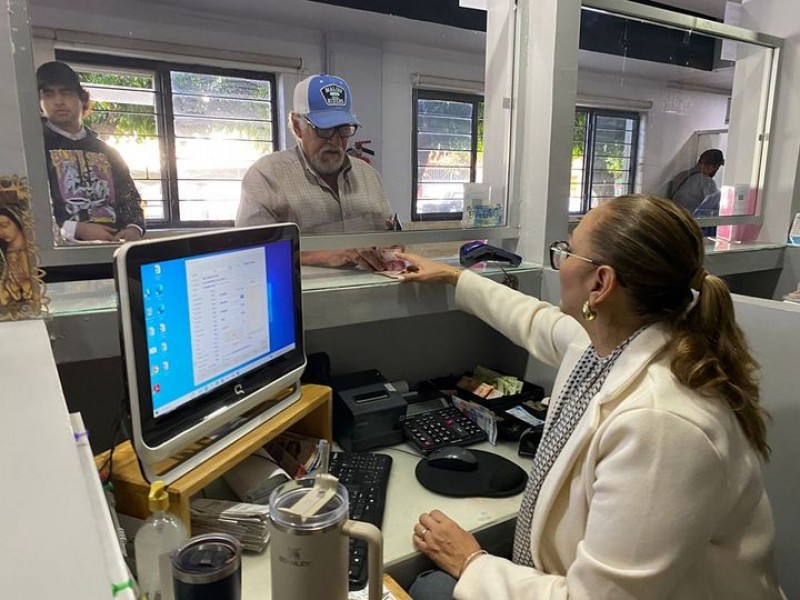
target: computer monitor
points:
(211, 329)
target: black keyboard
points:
(447, 426)
(366, 477)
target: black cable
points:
(118, 427)
(511, 281)
(125, 414)
(415, 454)
(108, 462)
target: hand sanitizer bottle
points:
(161, 533)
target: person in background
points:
(647, 482)
(93, 194)
(690, 188)
(316, 184)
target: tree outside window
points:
(447, 152)
(187, 133)
(604, 148)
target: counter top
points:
(729, 258)
(84, 324)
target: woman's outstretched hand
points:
(424, 270)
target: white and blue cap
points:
(325, 100)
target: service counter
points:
(360, 319)
(84, 313)
(725, 258)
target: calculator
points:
(441, 426)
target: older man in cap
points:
(315, 184)
(94, 197)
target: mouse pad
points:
(495, 477)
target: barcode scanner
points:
(474, 252)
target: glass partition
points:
(675, 106)
(188, 115)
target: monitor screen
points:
(211, 326)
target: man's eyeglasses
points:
(344, 131)
(560, 250)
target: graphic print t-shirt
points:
(89, 181)
(86, 184)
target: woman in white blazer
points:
(647, 483)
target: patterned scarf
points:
(583, 384)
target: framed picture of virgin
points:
(22, 289)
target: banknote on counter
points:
(481, 416)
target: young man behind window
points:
(94, 197)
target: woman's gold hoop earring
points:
(587, 312)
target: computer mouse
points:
(453, 458)
(477, 251)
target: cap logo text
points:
(334, 95)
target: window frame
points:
(592, 113)
(418, 94)
(166, 122)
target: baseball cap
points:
(712, 157)
(325, 100)
(56, 72)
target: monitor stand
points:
(311, 415)
(178, 465)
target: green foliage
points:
(134, 120)
(480, 128)
(614, 167)
(579, 137)
(218, 85)
(138, 121)
(138, 82)
(115, 118)
(610, 154)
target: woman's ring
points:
(423, 532)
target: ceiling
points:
(324, 16)
(620, 68)
(711, 8)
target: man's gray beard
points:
(326, 168)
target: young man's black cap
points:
(57, 73)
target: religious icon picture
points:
(21, 284)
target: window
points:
(187, 133)
(447, 151)
(603, 157)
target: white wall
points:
(767, 324)
(152, 21)
(781, 18)
(50, 530)
(668, 127)
(360, 62)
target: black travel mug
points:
(208, 567)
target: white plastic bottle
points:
(161, 533)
